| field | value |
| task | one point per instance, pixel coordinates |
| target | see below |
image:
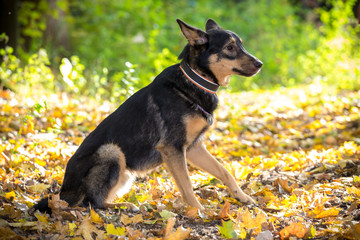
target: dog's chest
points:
(195, 127)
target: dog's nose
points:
(258, 64)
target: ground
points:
(295, 151)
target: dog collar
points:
(197, 79)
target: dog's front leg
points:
(201, 158)
(176, 164)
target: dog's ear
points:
(212, 25)
(194, 35)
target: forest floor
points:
(295, 151)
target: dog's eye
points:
(229, 47)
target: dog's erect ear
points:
(212, 25)
(194, 35)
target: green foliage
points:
(293, 50)
(336, 60)
(296, 45)
(35, 73)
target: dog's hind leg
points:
(108, 177)
(176, 164)
(201, 158)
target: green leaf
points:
(167, 214)
(227, 230)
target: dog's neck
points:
(198, 79)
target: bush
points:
(120, 46)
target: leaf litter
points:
(295, 151)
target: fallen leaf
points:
(180, 234)
(95, 218)
(169, 225)
(10, 212)
(332, 212)
(126, 220)
(191, 212)
(11, 195)
(87, 229)
(227, 229)
(118, 231)
(354, 231)
(167, 214)
(265, 235)
(353, 190)
(295, 229)
(56, 204)
(224, 212)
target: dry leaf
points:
(224, 212)
(191, 212)
(293, 230)
(95, 218)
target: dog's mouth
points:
(246, 74)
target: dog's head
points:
(217, 53)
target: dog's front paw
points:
(246, 200)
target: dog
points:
(165, 122)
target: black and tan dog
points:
(164, 122)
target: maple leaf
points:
(295, 229)
(56, 204)
(180, 232)
(87, 229)
(227, 229)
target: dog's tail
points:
(42, 206)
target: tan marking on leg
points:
(176, 164)
(201, 158)
(194, 126)
(126, 178)
(122, 186)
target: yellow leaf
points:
(125, 219)
(118, 231)
(260, 218)
(248, 220)
(40, 162)
(41, 218)
(38, 188)
(137, 218)
(353, 190)
(72, 227)
(332, 212)
(95, 217)
(10, 195)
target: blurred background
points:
(111, 48)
